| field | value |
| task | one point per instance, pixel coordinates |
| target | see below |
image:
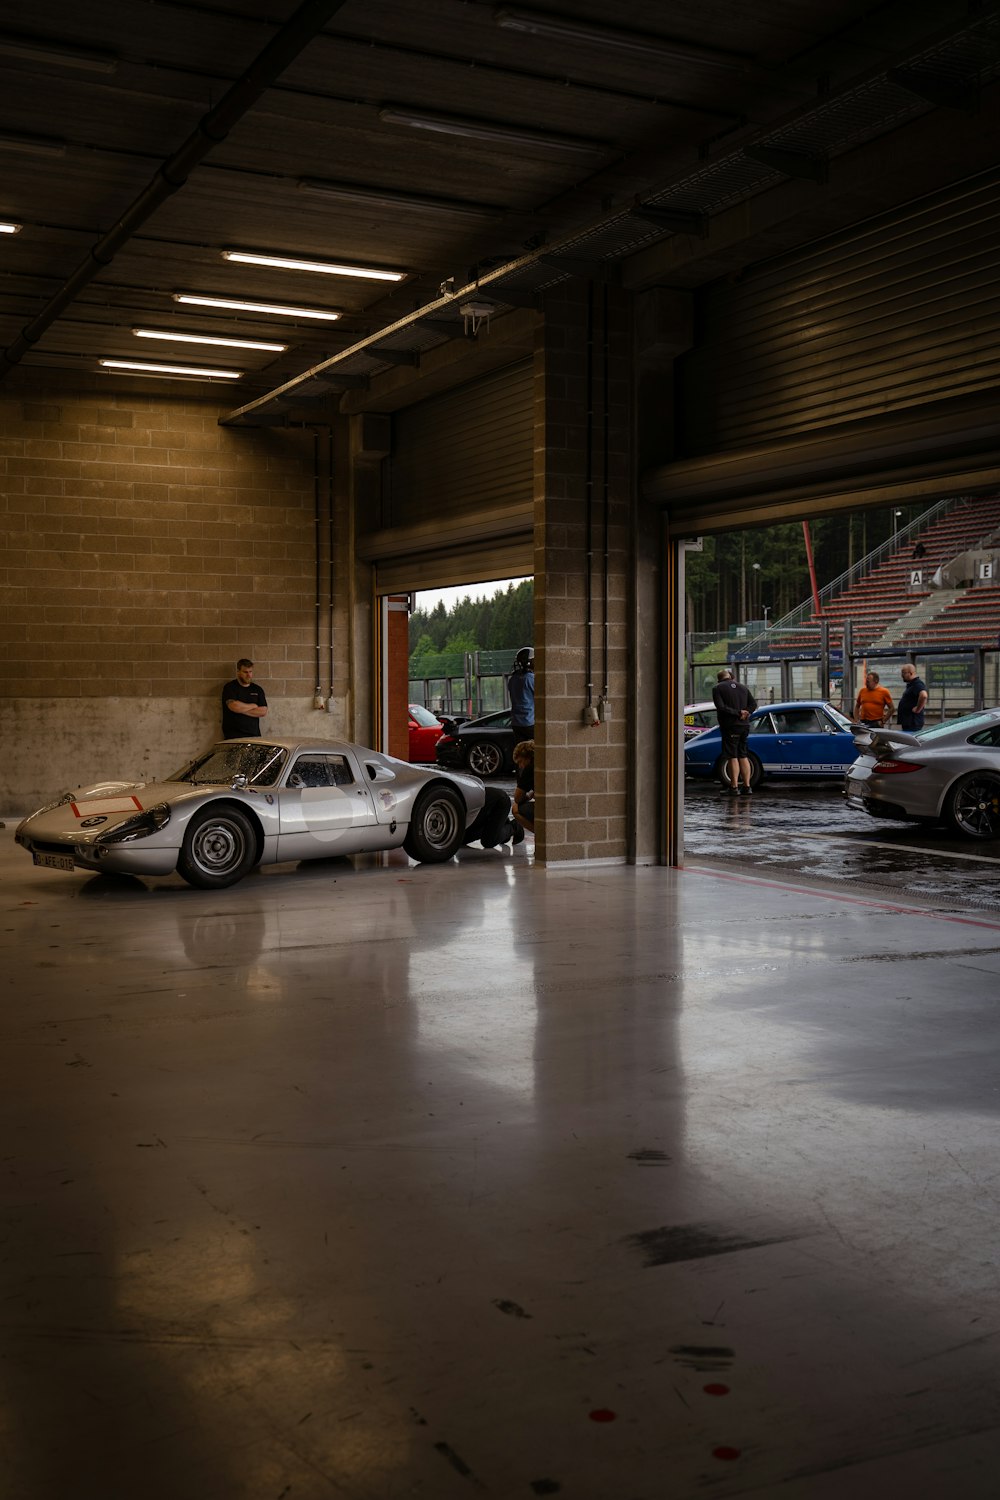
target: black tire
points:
(722, 770)
(437, 827)
(973, 805)
(485, 758)
(220, 847)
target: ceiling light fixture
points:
(33, 145)
(206, 338)
(323, 267)
(6, 227)
(233, 304)
(562, 29)
(369, 198)
(486, 130)
(25, 49)
(147, 369)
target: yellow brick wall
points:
(143, 548)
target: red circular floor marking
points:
(602, 1414)
(725, 1453)
(715, 1389)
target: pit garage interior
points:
(561, 1170)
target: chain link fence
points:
(461, 682)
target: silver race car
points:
(249, 802)
(949, 772)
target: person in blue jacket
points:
(521, 691)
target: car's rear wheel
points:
(219, 848)
(485, 758)
(722, 770)
(437, 826)
(973, 806)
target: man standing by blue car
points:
(735, 703)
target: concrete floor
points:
(370, 1180)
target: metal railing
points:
(867, 564)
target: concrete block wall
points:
(582, 773)
(142, 550)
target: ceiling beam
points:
(283, 48)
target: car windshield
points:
(260, 763)
(837, 717)
(968, 722)
(423, 716)
(499, 720)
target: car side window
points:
(762, 725)
(988, 737)
(320, 770)
(798, 721)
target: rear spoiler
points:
(864, 734)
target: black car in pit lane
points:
(483, 746)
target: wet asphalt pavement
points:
(796, 830)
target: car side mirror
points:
(240, 782)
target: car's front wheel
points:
(219, 848)
(722, 770)
(485, 758)
(437, 826)
(973, 806)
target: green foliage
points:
(502, 623)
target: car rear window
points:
(949, 726)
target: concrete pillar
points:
(582, 490)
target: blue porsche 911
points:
(808, 739)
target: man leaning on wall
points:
(244, 703)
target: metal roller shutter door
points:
(460, 487)
(858, 372)
(898, 312)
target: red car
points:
(425, 731)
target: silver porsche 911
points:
(250, 802)
(948, 773)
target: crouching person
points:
(524, 794)
(493, 823)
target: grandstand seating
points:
(972, 619)
(879, 598)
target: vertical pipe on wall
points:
(317, 543)
(606, 501)
(331, 532)
(588, 489)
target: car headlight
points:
(150, 820)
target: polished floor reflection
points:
(373, 1180)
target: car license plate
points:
(54, 861)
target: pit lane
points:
(790, 830)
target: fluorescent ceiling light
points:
(323, 267)
(25, 49)
(33, 145)
(281, 309)
(7, 228)
(147, 369)
(205, 338)
(562, 29)
(369, 198)
(486, 130)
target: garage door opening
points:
(810, 616)
(460, 648)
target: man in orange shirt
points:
(874, 703)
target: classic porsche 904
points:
(249, 802)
